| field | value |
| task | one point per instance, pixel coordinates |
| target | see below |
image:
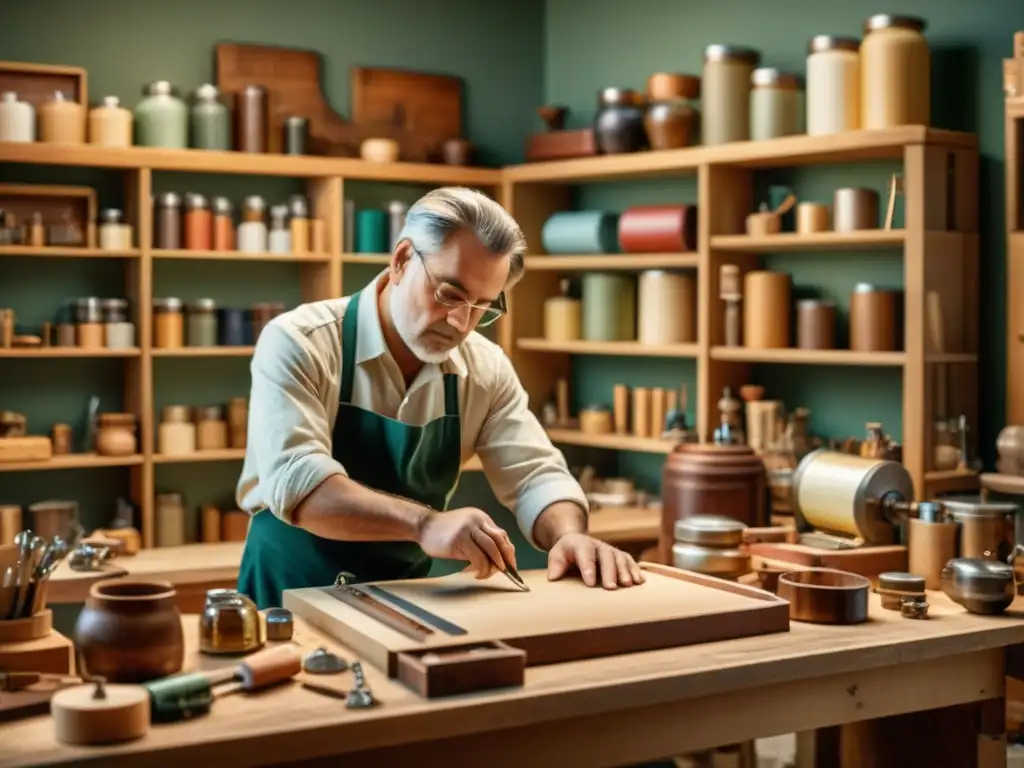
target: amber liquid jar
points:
(168, 323)
(252, 119)
(223, 225)
(815, 324)
(198, 223)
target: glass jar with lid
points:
(725, 93)
(833, 85)
(252, 232)
(223, 225)
(161, 118)
(120, 332)
(167, 221)
(280, 236)
(895, 72)
(198, 223)
(202, 323)
(776, 104)
(210, 120)
(168, 323)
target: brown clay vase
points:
(671, 124)
(130, 631)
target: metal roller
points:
(851, 497)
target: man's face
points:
(463, 270)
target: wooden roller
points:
(98, 713)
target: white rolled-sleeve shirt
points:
(296, 389)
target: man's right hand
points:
(467, 534)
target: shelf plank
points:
(69, 252)
(614, 261)
(265, 164)
(205, 352)
(72, 461)
(611, 442)
(819, 241)
(627, 348)
(199, 457)
(67, 352)
(808, 356)
(366, 258)
(848, 147)
(159, 253)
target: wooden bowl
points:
(825, 596)
(379, 150)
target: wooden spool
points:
(97, 713)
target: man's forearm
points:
(340, 508)
(556, 520)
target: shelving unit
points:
(321, 275)
(940, 253)
(1013, 82)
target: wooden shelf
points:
(240, 256)
(614, 261)
(627, 348)
(205, 352)
(72, 461)
(366, 258)
(199, 457)
(206, 161)
(819, 241)
(807, 356)
(849, 147)
(70, 252)
(67, 352)
(611, 442)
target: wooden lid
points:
(98, 713)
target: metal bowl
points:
(978, 584)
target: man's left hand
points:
(598, 562)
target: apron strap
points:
(451, 394)
(349, 338)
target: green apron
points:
(416, 462)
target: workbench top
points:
(856, 669)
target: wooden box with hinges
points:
(456, 634)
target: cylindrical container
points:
(580, 232)
(725, 93)
(833, 85)
(766, 310)
(54, 518)
(110, 124)
(211, 429)
(930, 545)
(619, 122)
(811, 218)
(595, 420)
(641, 411)
(161, 118)
(298, 223)
(262, 314)
(61, 436)
(114, 234)
(667, 307)
(709, 479)
(986, 527)
(563, 319)
(279, 238)
(168, 323)
(238, 421)
(17, 119)
(177, 434)
(167, 221)
(296, 136)
(854, 208)
(61, 121)
(895, 72)
(202, 323)
(223, 225)
(170, 520)
(130, 631)
(397, 211)
(873, 322)
(658, 229)
(89, 331)
(609, 307)
(253, 116)
(620, 408)
(210, 119)
(371, 231)
(776, 104)
(198, 223)
(232, 327)
(815, 324)
(252, 232)
(119, 331)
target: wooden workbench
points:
(650, 705)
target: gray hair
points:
(446, 210)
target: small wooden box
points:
(864, 561)
(53, 654)
(462, 668)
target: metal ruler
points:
(393, 611)
(411, 608)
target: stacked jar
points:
(114, 234)
(168, 323)
(119, 331)
(89, 322)
(210, 119)
(161, 117)
(202, 323)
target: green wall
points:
(591, 44)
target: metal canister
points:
(986, 527)
(296, 136)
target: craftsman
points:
(364, 408)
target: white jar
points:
(776, 107)
(833, 85)
(17, 119)
(280, 237)
(252, 232)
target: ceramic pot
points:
(456, 152)
(619, 123)
(116, 435)
(671, 124)
(130, 631)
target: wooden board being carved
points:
(556, 621)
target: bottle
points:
(198, 223)
(17, 119)
(280, 238)
(252, 232)
(211, 123)
(110, 124)
(223, 225)
(161, 118)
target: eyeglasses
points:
(451, 296)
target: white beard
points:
(401, 317)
